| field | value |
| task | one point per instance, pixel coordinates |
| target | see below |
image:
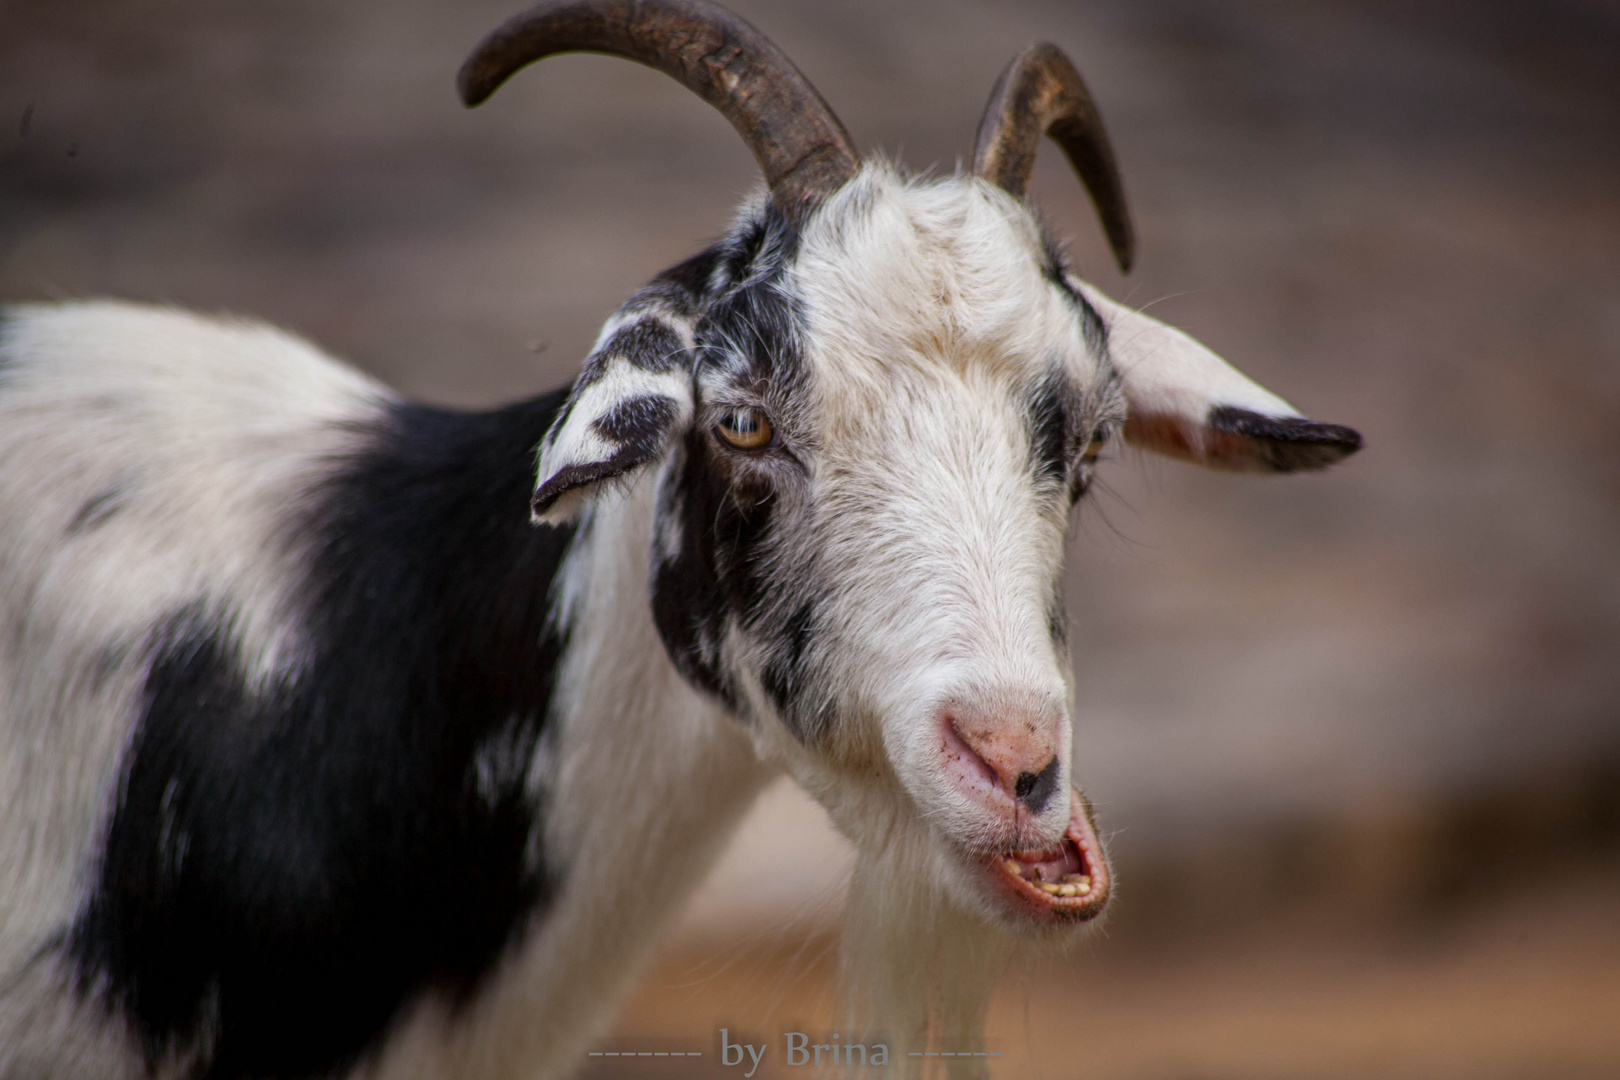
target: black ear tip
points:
(1288, 443)
(1346, 439)
(1332, 443)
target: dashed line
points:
(954, 1053)
(644, 1053)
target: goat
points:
(342, 735)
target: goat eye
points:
(1094, 447)
(745, 429)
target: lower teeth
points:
(1072, 884)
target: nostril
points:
(1035, 791)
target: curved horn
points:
(802, 148)
(1042, 93)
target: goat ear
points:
(633, 394)
(1185, 402)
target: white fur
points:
(1168, 373)
(928, 321)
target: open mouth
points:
(1067, 882)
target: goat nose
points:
(1034, 789)
(1018, 759)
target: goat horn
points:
(800, 145)
(1042, 93)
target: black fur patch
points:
(724, 572)
(715, 575)
(1287, 444)
(685, 286)
(687, 605)
(648, 344)
(751, 326)
(638, 424)
(291, 862)
(1059, 430)
(757, 250)
(1052, 427)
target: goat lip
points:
(1079, 847)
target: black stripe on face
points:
(723, 574)
(292, 861)
(787, 676)
(1052, 434)
(688, 584)
(730, 571)
(1061, 426)
(726, 508)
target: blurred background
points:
(1355, 737)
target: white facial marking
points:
(930, 323)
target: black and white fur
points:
(318, 757)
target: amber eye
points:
(1094, 447)
(746, 429)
